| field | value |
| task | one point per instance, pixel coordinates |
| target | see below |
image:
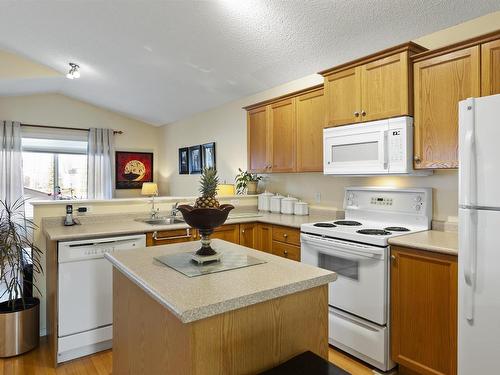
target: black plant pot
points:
(205, 220)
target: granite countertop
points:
(431, 240)
(197, 298)
(114, 225)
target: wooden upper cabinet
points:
(283, 135)
(371, 88)
(343, 97)
(310, 121)
(490, 68)
(257, 140)
(424, 311)
(440, 83)
(384, 89)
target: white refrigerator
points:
(479, 236)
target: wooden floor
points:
(36, 362)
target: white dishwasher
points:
(85, 294)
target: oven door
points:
(356, 149)
(361, 285)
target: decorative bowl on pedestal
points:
(205, 220)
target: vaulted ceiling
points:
(160, 61)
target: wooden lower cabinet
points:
(286, 250)
(424, 287)
(274, 239)
(165, 237)
(228, 232)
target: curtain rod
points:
(65, 128)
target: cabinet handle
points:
(393, 258)
(156, 238)
(243, 231)
(356, 114)
(285, 235)
(417, 159)
(285, 252)
(363, 113)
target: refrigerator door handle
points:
(467, 172)
(468, 234)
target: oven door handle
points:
(341, 248)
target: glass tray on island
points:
(230, 260)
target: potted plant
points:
(19, 313)
(247, 182)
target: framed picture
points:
(208, 155)
(195, 159)
(184, 160)
(132, 169)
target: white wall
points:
(226, 125)
(60, 110)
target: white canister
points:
(287, 205)
(264, 201)
(301, 208)
(276, 203)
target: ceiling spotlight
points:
(74, 71)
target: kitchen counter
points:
(241, 321)
(431, 240)
(191, 299)
(94, 226)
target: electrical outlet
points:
(318, 197)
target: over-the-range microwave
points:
(370, 148)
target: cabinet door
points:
(248, 235)
(384, 88)
(165, 237)
(229, 232)
(264, 238)
(424, 311)
(343, 97)
(490, 68)
(257, 139)
(310, 123)
(440, 83)
(283, 133)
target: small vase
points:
(252, 187)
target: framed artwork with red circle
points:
(132, 169)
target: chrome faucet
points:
(174, 211)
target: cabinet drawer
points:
(165, 237)
(286, 235)
(286, 251)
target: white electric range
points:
(357, 249)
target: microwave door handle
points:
(386, 150)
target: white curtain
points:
(11, 162)
(101, 155)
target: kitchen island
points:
(240, 321)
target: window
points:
(54, 164)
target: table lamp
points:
(225, 190)
(151, 189)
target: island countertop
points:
(196, 298)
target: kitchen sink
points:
(162, 221)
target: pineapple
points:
(208, 189)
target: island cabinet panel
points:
(310, 123)
(149, 339)
(384, 88)
(258, 140)
(228, 232)
(424, 311)
(283, 135)
(440, 83)
(248, 235)
(264, 238)
(165, 237)
(490, 68)
(343, 97)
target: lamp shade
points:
(149, 188)
(224, 190)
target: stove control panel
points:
(381, 201)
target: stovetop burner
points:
(376, 232)
(348, 223)
(325, 225)
(397, 229)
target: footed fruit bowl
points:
(205, 220)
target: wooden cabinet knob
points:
(285, 252)
(243, 231)
(363, 113)
(356, 114)
(417, 159)
(285, 235)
